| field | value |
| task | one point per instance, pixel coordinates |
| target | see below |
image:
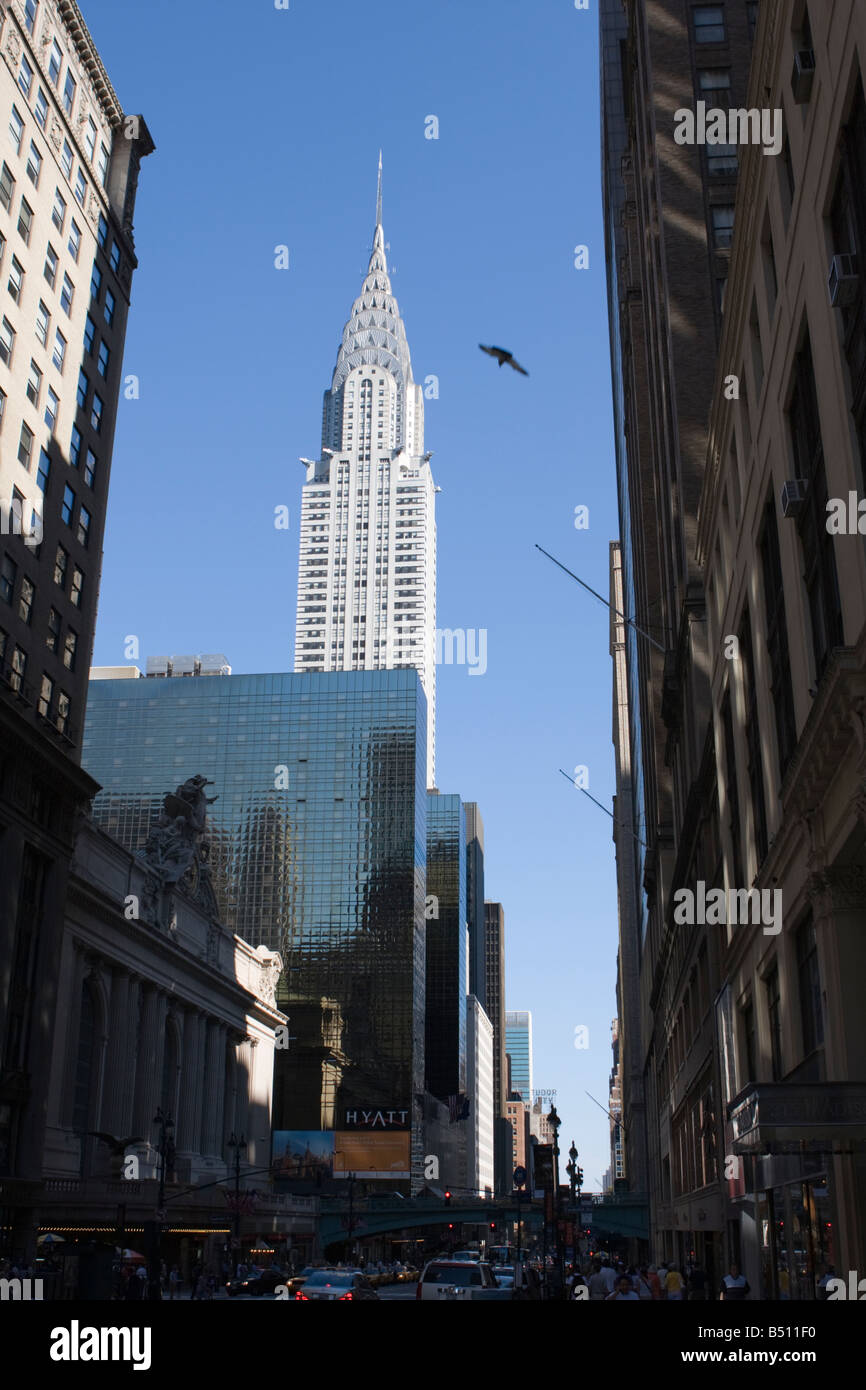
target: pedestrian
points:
(609, 1277)
(598, 1288)
(200, 1290)
(735, 1286)
(697, 1284)
(623, 1293)
(674, 1284)
(173, 1282)
(654, 1282)
(643, 1286)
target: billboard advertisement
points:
(369, 1155)
(303, 1154)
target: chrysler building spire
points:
(367, 569)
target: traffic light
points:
(451, 1225)
(579, 1178)
(447, 1198)
(493, 1225)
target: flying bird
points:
(503, 355)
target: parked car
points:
(297, 1281)
(336, 1285)
(448, 1281)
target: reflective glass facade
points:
(518, 1045)
(318, 845)
(447, 949)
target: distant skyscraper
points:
(447, 962)
(518, 1044)
(479, 1085)
(475, 901)
(367, 566)
(494, 971)
(68, 177)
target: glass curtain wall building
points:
(317, 849)
(447, 947)
(518, 1045)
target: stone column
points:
(151, 1047)
(119, 1071)
(192, 1067)
(213, 1139)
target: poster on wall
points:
(370, 1155)
(306, 1154)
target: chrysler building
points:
(367, 567)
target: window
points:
(69, 648)
(46, 692)
(89, 335)
(722, 159)
(75, 447)
(723, 224)
(34, 165)
(709, 22)
(777, 639)
(774, 1017)
(16, 129)
(7, 341)
(110, 305)
(83, 390)
(52, 636)
(25, 221)
(749, 1038)
(61, 565)
(83, 532)
(809, 981)
(16, 279)
(58, 212)
(8, 575)
(66, 159)
(52, 405)
(90, 138)
(104, 358)
(74, 243)
(102, 233)
(80, 188)
(754, 745)
(25, 599)
(752, 16)
(25, 446)
(25, 76)
(30, 14)
(69, 92)
(95, 282)
(90, 468)
(104, 157)
(43, 470)
(34, 384)
(2, 405)
(63, 706)
(114, 258)
(68, 505)
(43, 323)
(7, 187)
(67, 294)
(59, 355)
(50, 268)
(55, 62)
(19, 667)
(40, 110)
(819, 559)
(77, 592)
(96, 414)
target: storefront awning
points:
(771, 1114)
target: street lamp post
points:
(555, 1122)
(165, 1149)
(237, 1145)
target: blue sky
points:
(268, 125)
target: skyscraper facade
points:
(367, 566)
(494, 970)
(518, 1045)
(317, 849)
(447, 947)
(479, 1085)
(68, 177)
(475, 901)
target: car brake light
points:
(344, 1296)
(299, 1297)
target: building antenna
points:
(379, 194)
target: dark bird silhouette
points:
(503, 355)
